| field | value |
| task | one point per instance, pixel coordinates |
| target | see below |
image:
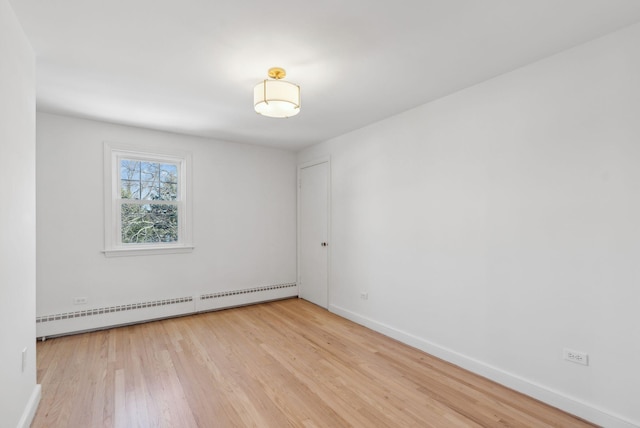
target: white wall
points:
(500, 224)
(243, 220)
(19, 394)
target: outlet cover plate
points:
(575, 356)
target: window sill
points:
(138, 251)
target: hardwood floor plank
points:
(279, 364)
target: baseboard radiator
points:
(247, 296)
(131, 313)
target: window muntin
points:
(148, 180)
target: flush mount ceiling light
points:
(276, 98)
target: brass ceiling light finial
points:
(276, 98)
(277, 73)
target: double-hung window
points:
(147, 205)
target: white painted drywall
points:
(19, 393)
(500, 224)
(243, 219)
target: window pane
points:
(129, 189)
(168, 182)
(168, 192)
(150, 171)
(168, 173)
(149, 190)
(129, 169)
(129, 179)
(149, 223)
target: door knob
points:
(323, 244)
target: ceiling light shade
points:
(276, 98)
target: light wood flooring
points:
(280, 364)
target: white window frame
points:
(113, 245)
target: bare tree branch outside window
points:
(150, 214)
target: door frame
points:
(301, 166)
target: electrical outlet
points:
(24, 359)
(576, 356)
(364, 295)
(80, 300)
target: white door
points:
(313, 239)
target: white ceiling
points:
(190, 66)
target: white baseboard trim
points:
(30, 410)
(540, 392)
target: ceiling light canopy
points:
(276, 98)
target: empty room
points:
(320, 214)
